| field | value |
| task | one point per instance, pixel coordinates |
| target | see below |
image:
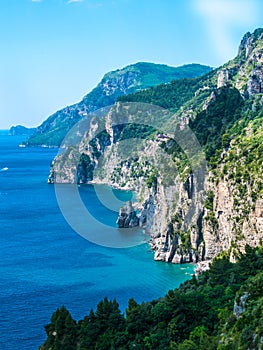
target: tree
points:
(61, 332)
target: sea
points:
(45, 263)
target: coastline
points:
(199, 267)
(202, 266)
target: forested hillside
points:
(130, 79)
(221, 309)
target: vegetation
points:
(127, 80)
(243, 162)
(198, 315)
(21, 130)
(172, 95)
(210, 125)
(222, 308)
(85, 169)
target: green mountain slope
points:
(21, 130)
(222, 308)
(114, 84)
(226, 118)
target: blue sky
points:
(55, 51)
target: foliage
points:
(85, 168)
(123, 81)
(209, 200)
(172, 95)
(198, 315)
(211, 124)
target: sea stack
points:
(127, 217)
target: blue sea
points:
(45, 264)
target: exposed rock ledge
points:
(127, 217)
(202, 266)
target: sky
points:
(53, 52)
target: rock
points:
(223, 78)
(202, 266)
(182, 227)
(244, 44)
(249, 41)
(127, 217)
(239, 307)
(51, 178)
(21, 130)
(255, 81)
(147, 212)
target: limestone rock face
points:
(121, 82)
(178, 239)
(231, 228)
(127, 217)
(218, 238)
(248, 42)
(246, 73)
(147, 212)
(239, 307)
(223, 78)
(172, 207)
(114, 84)
(255, 81)
(245, 44)
(181, 228)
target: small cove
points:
(45, 264)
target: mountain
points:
(196, 169)
(21, 130)
(114, 84)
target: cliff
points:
(21, 130)
(114, 84)
(196, 165)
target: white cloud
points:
(223, 15)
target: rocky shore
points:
(127, 217)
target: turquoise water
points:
(45, 264)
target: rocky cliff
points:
(128, 80)
(21, 130)
(193, 206)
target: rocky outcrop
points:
(178, 239)
(114, 84)
(190, 215)
(245, 71)
(127, 217)
(245, 45)
(21, 130)
(223, 78)
(239, 306)
(248, 42)
(255, 81)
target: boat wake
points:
(4, 169)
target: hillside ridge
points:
(114, 84)
(188, 220)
